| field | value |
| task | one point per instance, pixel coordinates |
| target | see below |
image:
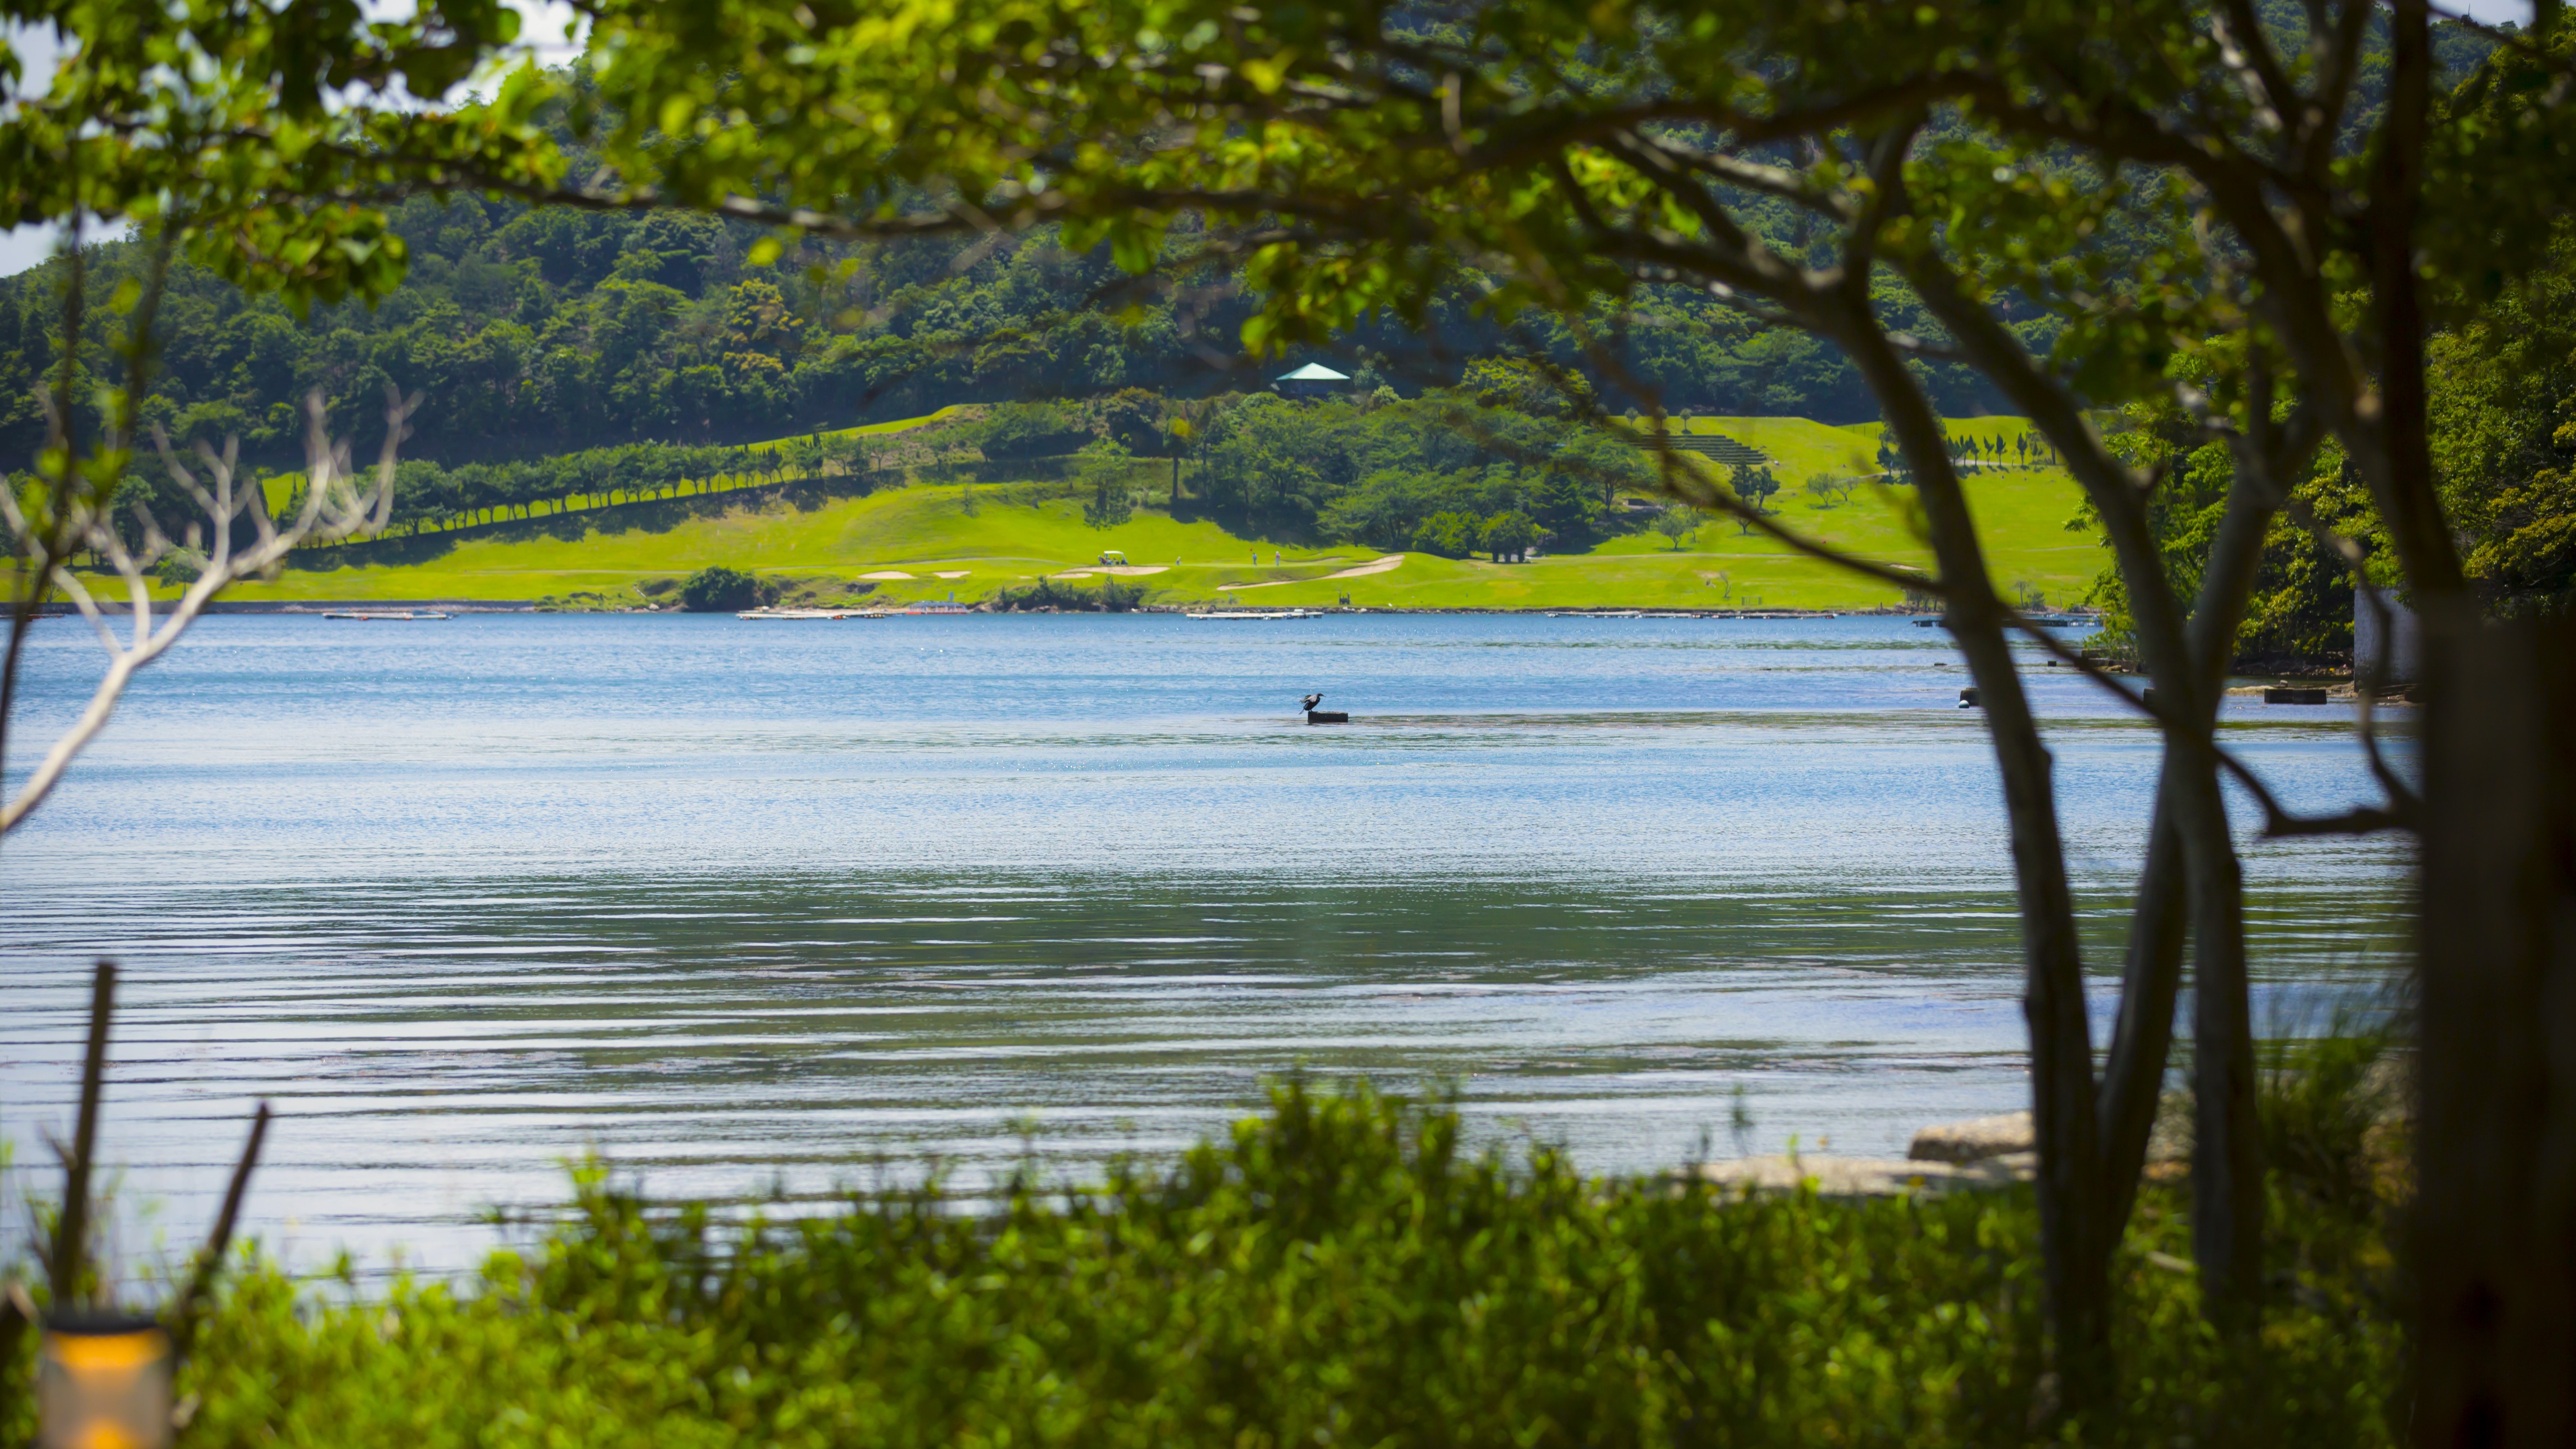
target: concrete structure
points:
(2403, 653)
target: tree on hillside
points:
(1032, 430)
(1754, 484)
(718, 589)
(1263, 476)
(1193, 422)
(1508, 537)
(1448, 535)
(1568, 509)
(1679, 522)
(1387, 506)
(1104, 472)
(1609, 464)
(2299, 608)
(1526, 385)
(1135, 418)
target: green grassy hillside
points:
(946, 539)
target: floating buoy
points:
(1968, 697)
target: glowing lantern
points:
(103, 1382)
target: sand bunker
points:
(1373, 566)
(951, 574)
(1383, 564)
(887, 574)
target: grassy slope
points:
(871, 430)
(925, 530)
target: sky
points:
(27, 245)
(541, 30)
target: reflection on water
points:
(752, 908)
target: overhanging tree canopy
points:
(2235, 206)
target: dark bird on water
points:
(1313, 700)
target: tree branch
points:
(333, 507)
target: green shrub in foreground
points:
(1338, 1272)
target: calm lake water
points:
(747, 907)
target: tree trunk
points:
(2495, 1134)
(2133, 1082)
(2416, 524)
(2075, 1236)
(2185, 656)
(2227, 1145)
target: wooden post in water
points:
(2495, 1135)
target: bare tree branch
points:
(2278, 821)
(336, 505)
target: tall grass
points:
(2334, 1137)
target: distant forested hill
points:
(540, 331)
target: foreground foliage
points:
(1339, 1271)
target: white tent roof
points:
(1315, 372)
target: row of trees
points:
(2021, 450)
(428, 496)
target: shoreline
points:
(534, 606)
